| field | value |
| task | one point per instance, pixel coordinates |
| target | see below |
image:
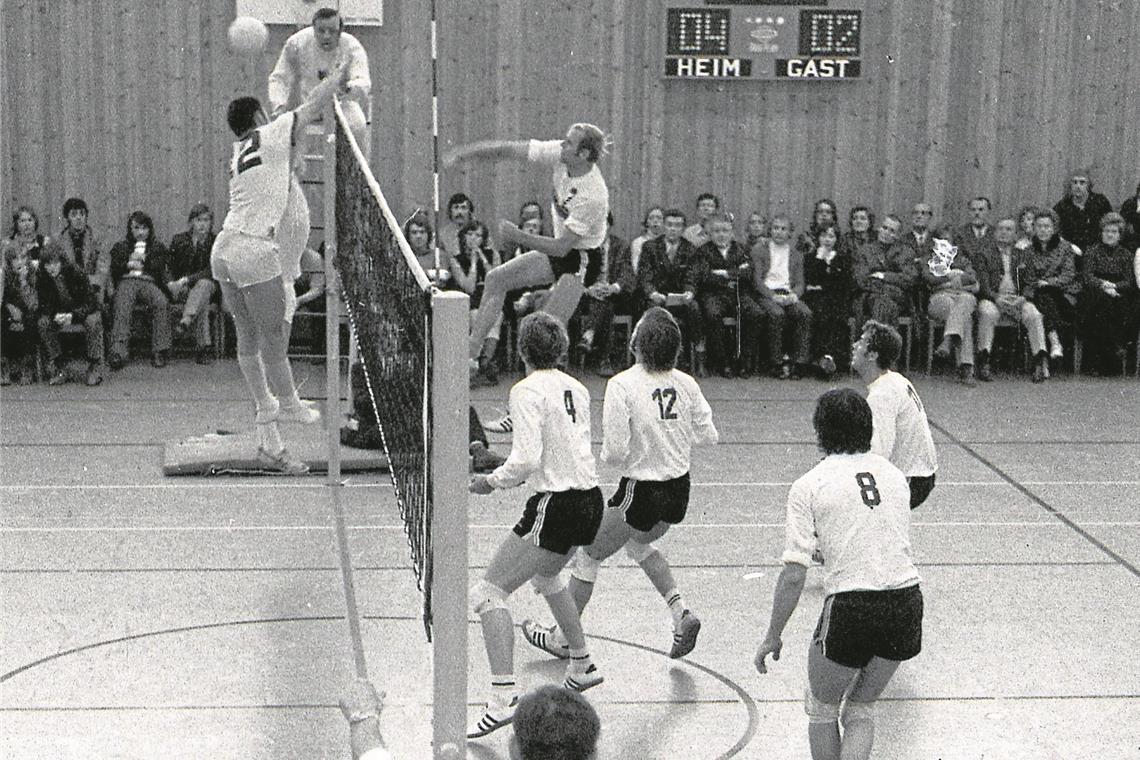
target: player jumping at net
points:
(247, 263)
(551, 451)
(871, 621)
(579, 207)
(902, 432)
(652, 416)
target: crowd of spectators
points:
(777, 299)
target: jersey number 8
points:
(868, 489)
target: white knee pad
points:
(637, 551)
(817, 711)
(854, 712)
(486, 597)
(586, 567)
(548, 585)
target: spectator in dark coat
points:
(1080, 211)
(1108, 301)
(66, 298)
(829, 283)
(1130, 210)
(192, 284)
(725, 283)
(668, 278)
(1049, 277)
(140, 270)
(18, 314)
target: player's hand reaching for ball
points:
(767, 647)
(479, 485)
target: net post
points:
(332, 303)
(449, 467)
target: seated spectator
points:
(885, 274)
(615, 291)
(140, 271)
(778, 279)
(976, 233)
(421, 239)
(460, 211)
(828, 285)
(921, 239)
(1130, 211)
(19, 315)
(1080, 212)
(530, 209)
(469, 268)
(81, 248)
(698, 233)
(189, 265)
(824, 214)
(1025, 219)
(65, 298)
(26, 234)
(652, 226)
(757, 228)
(1108, 298)
(860, 222)
(1050, 277)
(952, 283)
(668, 279)
(725, 283)
(999, 271)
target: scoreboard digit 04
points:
(732, 39)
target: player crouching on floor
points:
(859, 504)
(551, 451)
(652, 416)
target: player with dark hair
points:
(853, 506)
(652, 416)
(246, 262)
(902, 432)
(551, 453)
(552, 723)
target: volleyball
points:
(247, 35)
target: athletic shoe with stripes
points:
(304, 413)
(542, 637)
(282, 462)
(501, 425)
(588, 679)
(685, 636)
(493, 719)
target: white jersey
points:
(580, 204)
(260, 173)
(551, 447)
(650, 421)
(901, 432)
(854, 508)
(303, 64)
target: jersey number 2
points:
(665, 398)
(868, 489)
(568, 402)
(249, 158)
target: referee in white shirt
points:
(854, 506)
(551, 452)
(652, 416)
(902, 432)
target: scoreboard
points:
(734, 39)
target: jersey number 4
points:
(249, 157)
(666, 398)
(868, 489)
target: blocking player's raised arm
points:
(516, 149)
(320, 96)
(526, 447)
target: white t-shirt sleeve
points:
(615, 425)
(883, 425)
(358, 75)
(526, 447)
(800, 541)
(282, 77)
(704, 431)
(547, 152)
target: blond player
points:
(652, 416)
(246, 262)
(854, 505)
(551, 454)
(902, 432)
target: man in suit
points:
(614, 292)
(885, 274)
(725, 281)
(778, 279)
(1081, 210)
(667, 275)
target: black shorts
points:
(559, 520)
(855, 626)
(648, 502)
(920, 488)
(572, 262)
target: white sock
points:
(503, 690)
(254, 375)
(676, 605)
(579, 660)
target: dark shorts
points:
(572, 262)
(648, 502)
(920, 488)
(559, 520)
(855, 626)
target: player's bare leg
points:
(529, 270)
(840, 688)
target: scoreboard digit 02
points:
(733, 39)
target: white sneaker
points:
(304, 413)
(588, 679)
(282, 462)
(542, 637)
(501, 425)
(493, 719)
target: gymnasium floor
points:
(147, 617)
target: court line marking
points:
(1054, 511)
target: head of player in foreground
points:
(543, 342)
(582, 146)
(842, 422)
(876, 351)
(656, 340)
(554, 723)
(245, 114)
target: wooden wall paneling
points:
(615, 70)
(895, 135)
(987, 99)
(938, 106)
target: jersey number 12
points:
(665, 398)
(249, 157)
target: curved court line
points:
(742, 695)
